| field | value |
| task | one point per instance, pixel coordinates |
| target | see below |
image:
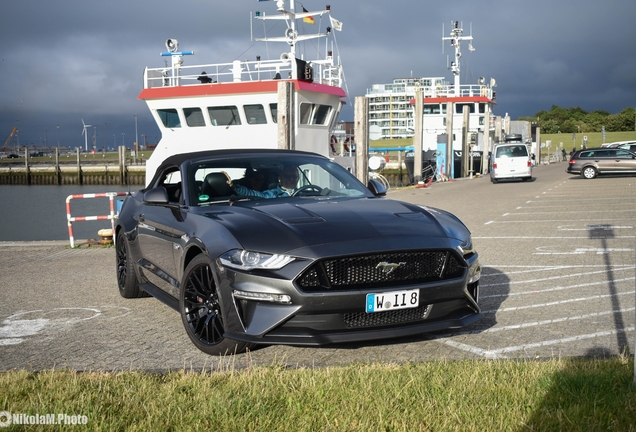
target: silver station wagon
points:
(590, 163)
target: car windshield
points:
(269, 176)
(512, 151)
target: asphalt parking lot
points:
(558, 258)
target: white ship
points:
(237, 104)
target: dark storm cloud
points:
(62, 61)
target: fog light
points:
(475, 276)
(273, 298)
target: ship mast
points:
(291, 34)
(456, 36)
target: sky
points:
(62, 61)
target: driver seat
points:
(215, 185)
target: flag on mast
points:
(337, 25)
(308, 19)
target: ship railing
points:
(324, 72)
(441, 91)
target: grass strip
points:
(507, 395)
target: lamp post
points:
(58, 138)
(136, 141)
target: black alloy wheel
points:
(201, 310)
(126, 276)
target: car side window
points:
(171, 181)
(623, 154)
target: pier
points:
(79, 169)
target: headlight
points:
(249, 260)
(466, 247)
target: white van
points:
(510, 161)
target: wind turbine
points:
(85, 135)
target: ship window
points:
(224, 116)
(194, 117)
(255, 114)
(459, 108)
(482, 108)
(274, 109)
(431, 109)
(169, 118)
(314, 114)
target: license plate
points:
(382, 302)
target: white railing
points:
(324, 72)
(111, 216)
(440, 91)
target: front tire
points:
(589, 172)
(201, 312)
(126, 276)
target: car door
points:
(624, 161)
(157, 237)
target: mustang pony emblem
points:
(387, 268)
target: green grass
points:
(480, 395)
(594, 139)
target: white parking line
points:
(553, 220)
(581, 251)
(543, 322)
(535, 269)
(631, 210)
(558, 288)
(555, 303)
(495, 353)
(554, 237)
(557, 277)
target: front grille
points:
(381, 270)
(364, 319)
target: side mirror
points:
(156, 196)
(376, 188)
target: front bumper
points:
(335, 317)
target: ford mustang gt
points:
(286, 247)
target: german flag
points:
(308, 19)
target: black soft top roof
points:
(179, 159)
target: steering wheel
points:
(303, 190)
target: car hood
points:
(311, 227)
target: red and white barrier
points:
(111, 216)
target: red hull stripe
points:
(233, 88)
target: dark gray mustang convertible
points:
(286, 247)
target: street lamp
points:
(58, 137)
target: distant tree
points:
(595, 120)
(570, 126)
(576, 119)
(549, 126)
(619, 122)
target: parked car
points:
(12, 156)
(510, 161)
(617, 144)
(629, 145)
(246, 258)
(592, 162)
